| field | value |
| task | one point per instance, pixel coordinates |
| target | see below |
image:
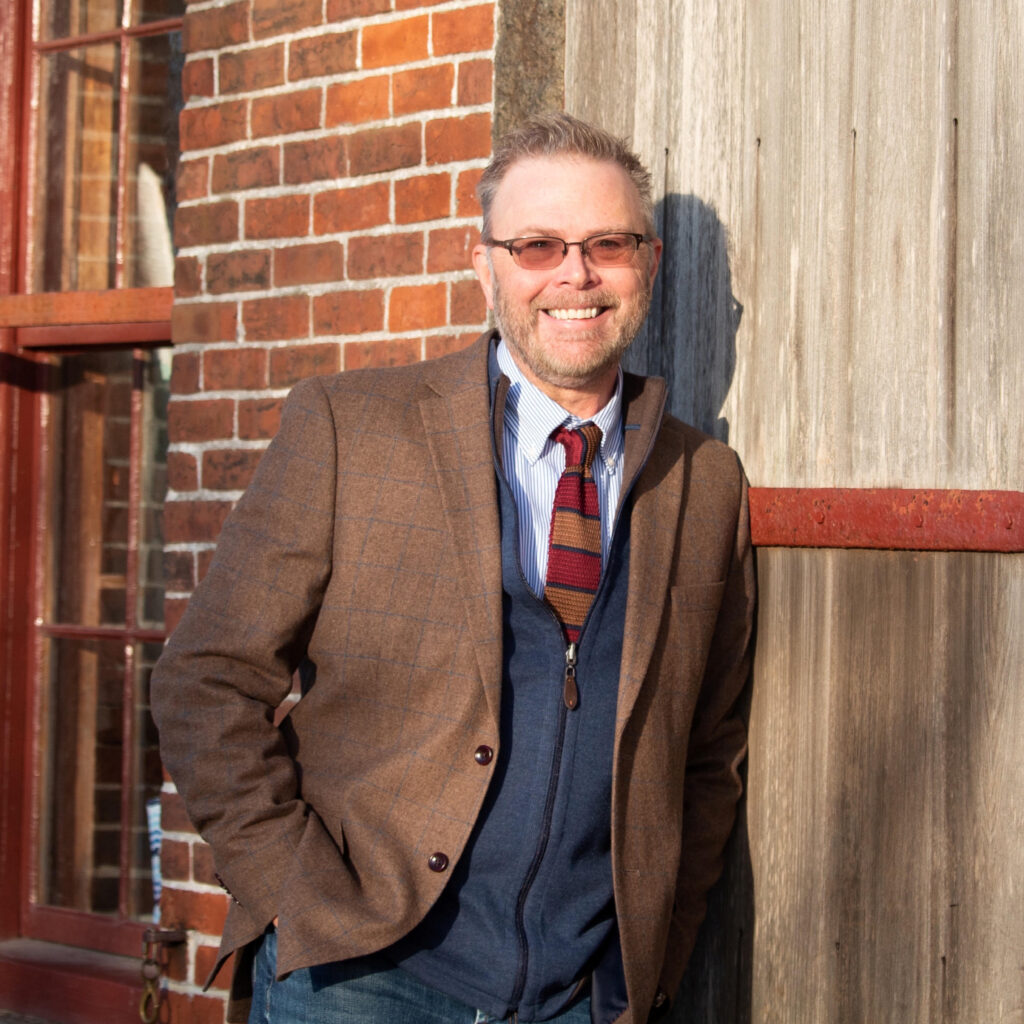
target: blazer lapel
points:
(457, 430)
(656, 499)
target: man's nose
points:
(575, 268)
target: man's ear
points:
(482, 266)
(652, 269)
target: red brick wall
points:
(330, 149)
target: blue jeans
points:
(369, 990)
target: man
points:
(519, 598)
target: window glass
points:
(152, 159)
(64, 18)
(76, 171)
(100, 768)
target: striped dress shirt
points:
(533, 463)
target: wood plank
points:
(886, 797)
(48, 309)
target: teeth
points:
(574, 314)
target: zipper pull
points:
(570, 691)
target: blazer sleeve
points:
(717, 747)
(230, 663)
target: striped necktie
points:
(574, 546)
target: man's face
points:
(567, 327)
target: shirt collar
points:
(532, 416)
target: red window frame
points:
(33, 326)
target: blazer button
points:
(438, 862)
(483, 754)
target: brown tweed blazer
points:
(369, 542)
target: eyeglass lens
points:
(603, 250)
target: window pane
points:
(152, 159)
(64, 18)
(157, 10)
(80, 848)
(90, 490)
(76, 179)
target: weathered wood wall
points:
(842, 299)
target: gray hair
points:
(561, 134)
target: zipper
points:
(570, 691)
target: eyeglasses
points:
(609, 249)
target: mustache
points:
(577, 301)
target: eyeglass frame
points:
(508, 244)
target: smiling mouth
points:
(586, 313)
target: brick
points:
(174, 610)
(423, 89)
(442, 344)
(425, 197)
(368, 99)
(206, 223)
(405, 5)
(229, 470)
(296, 362)
(184, 373)
(204, 420)
(234, 369)
(217, 28)
(320, 159)
(248, 70)
(239, 271)
(467, 303)
(414, 307)
(351, 209)
(361, 355)
(276, 318)
(384, 149)
(286, 112)
(463, 31)
(458, 138)
(206, 961)
(179, 571)
(197, 78)
(277, 217)
(246, 168)
(203, 321)
(201, 420)
(195, 1009)
(203, 870)
(258, 418)
(466, 202)
(182, 474)
(173, 817)
(202, 912)
(216, 125)
(176, 860)
(321, 56)
(450, 249)
(342, 10)
(385, 256)
(351, 312)
(476, 82)
(205, 559)
(175, 959)
(314, 263)
(193, 179)
(188, 277)
(278, 17)
(395, 42)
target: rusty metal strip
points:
(887, 519)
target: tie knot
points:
(580, 445)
